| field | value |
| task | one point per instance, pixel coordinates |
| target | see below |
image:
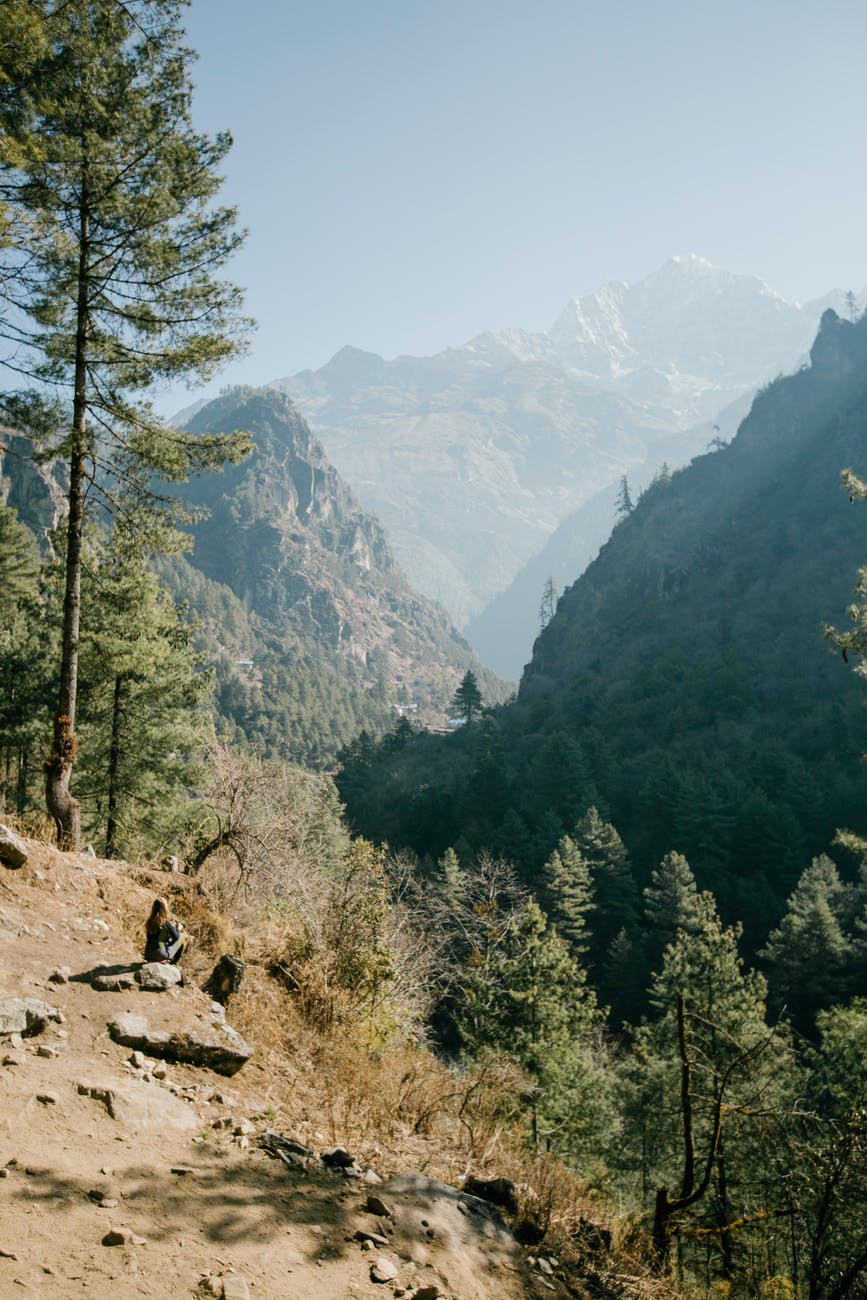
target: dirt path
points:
(204, 1203)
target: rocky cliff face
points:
(35, 492)
(473, 457)
(290, 539)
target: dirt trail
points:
(201, 1201)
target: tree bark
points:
(113, 764)
(64, 809)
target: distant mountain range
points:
(684, 684)
(473, 457)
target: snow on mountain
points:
(472, 457)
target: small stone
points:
(7, 1254)
(370, 1176)
(108, 1203)
(118, 1237)
(14, 1058)
(244, 1128)
(428, 1292)
(236, 1287)
(375, 1237)
(367, 1245)
(159, 1071)
(382, 1270)
(214, 1285)
(4, 1173)
(60, 975)
(243, 1143)
(48, 1052)
(48, 1098)
(545, 1267)
(138, 1060)
(16, 1041)
(376, 1205)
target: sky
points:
(412, 172)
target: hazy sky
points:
(414, 171)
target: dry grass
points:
(398, 1107)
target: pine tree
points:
(624, 505)
(567, 895)
(706, 1071)
(614, 891)
(26, 643)
(111, 248)
(542, 1016)
(467, 699)
(144, 717)
(548, 604)
(671, 903)
(808, 953)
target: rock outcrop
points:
(216, 1046)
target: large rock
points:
(138, 1105)
(157, 976)
(13, 850)
(215, 1046)
(26, 1016)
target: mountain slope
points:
(502, 634)
(284, 532)
(472, 457)
(683, 682)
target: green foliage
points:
(808, 955)
(109, 260)
(467, 699)
(567, 894)
(144, 706)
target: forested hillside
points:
(288, 627)
(684, 686)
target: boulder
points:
(217, 1047)
(137, 1105)
(13, 850)
(157, 976)
(26, 1016)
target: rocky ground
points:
(125, 1172)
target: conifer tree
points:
(808, 953)
(547, 604)
(624, 505)
(467, 699)
(111, 248)
(706, 1070)
(542, 1016)
(671, 903)
(144, 718)
(567, 895)
(614, 892)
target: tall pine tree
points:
(111, 249)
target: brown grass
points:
(398, 1107)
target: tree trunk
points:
(113, 764)
(64, 809)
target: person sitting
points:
(166, 940)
